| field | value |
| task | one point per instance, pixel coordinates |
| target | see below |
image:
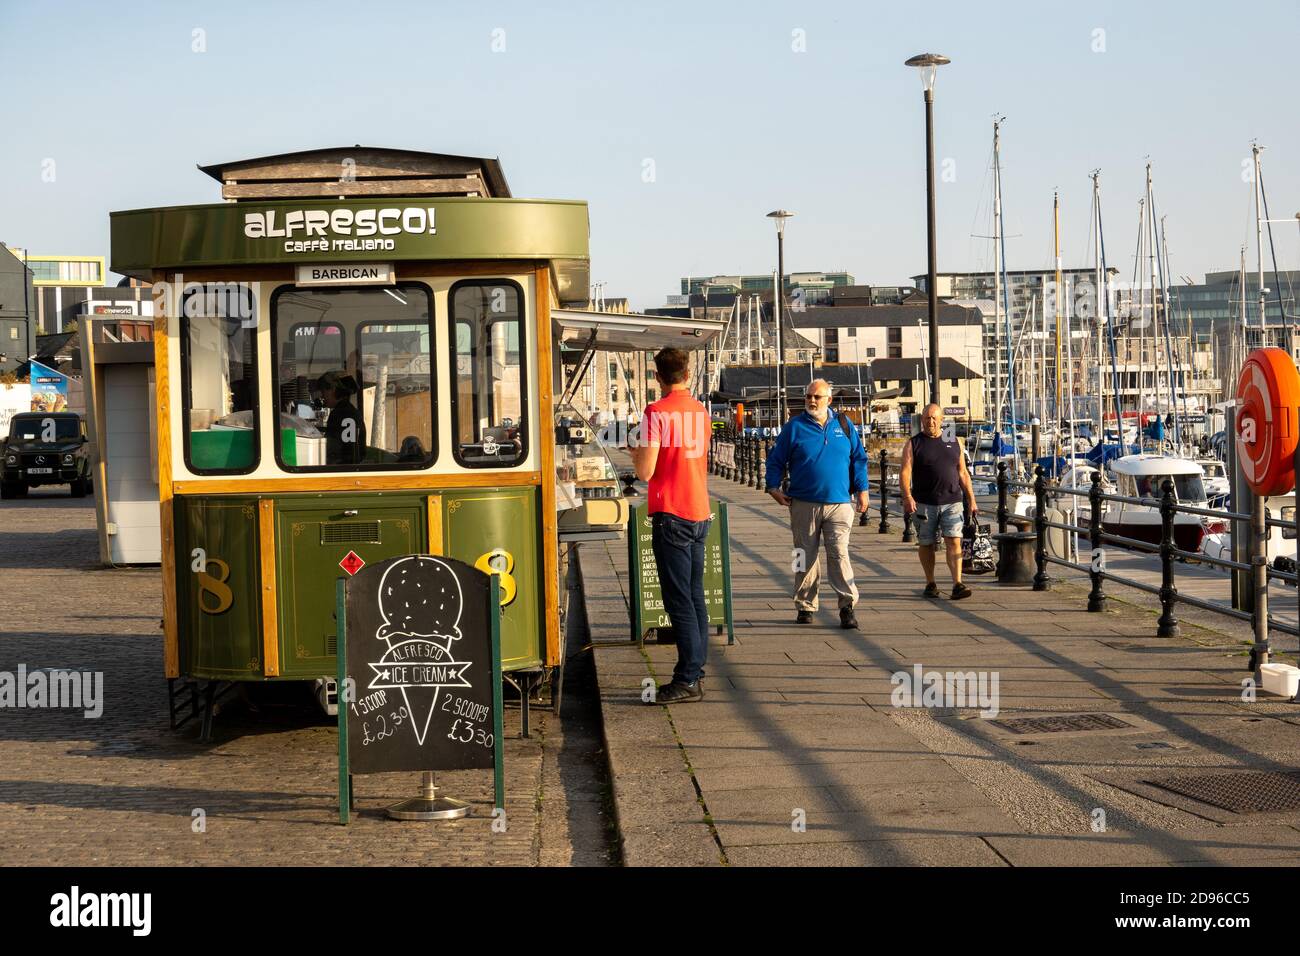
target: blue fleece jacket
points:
(826, 466)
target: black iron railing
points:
(1166, 549)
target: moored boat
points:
(1143, 476)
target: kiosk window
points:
(489, 402)
(219, 380)
(353, 378)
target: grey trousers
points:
(812, 522)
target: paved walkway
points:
(797, 755)
(123, 789)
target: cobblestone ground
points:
(124, 789)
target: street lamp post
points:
(928, 64)
(706, 397)
(780, 216)
(871, 393)
(857, 360)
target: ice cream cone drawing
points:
(420, 602)
(419, 596)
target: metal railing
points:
(741, 457)
(1257, 522)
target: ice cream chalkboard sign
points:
(419, 672)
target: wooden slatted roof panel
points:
(356, 171)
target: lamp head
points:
(780, 216)
(928, 64)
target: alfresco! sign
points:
(340, 230)
(350, 231)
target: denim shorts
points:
(941, 520)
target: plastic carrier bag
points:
(977, 555)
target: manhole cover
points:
(1060, 723)
(1258, 792)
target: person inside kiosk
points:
(345, 432)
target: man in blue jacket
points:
(828, 479)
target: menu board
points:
(419, 669)
(647, 595)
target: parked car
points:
(45, 448)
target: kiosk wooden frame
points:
(255, 516)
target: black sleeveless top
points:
(935, 471)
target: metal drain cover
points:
(1061, 723)
(1254, 792)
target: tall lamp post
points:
(706, 397)
(928, 64)
(780, 216)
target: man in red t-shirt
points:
(670, 451)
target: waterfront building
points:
(812, 287)
(17, 317)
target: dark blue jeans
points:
(679, 556)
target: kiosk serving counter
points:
(341, 380)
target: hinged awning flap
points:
(631, 332)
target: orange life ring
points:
(1268, 397)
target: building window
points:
(489, 403)
(871, 353)
(353, 378)
(956, 399)
(954, 383)
(851, 332)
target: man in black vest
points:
(933, 481)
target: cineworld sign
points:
(340, 230)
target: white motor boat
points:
(1281, 547)
(1143, 476)
(1214, 475)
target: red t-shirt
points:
(680, 426)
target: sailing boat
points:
(1003, 443)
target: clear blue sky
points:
(736, 122)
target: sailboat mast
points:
(997, 290)
(1177, 382)
(1159, 305)
(1239, 342)
(1155, 312)
(1142, 319)
(1060, 294)
(1098, 301)
(1255, 150)
(1064, 305)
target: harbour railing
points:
(741, 457)
(1257, 523)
